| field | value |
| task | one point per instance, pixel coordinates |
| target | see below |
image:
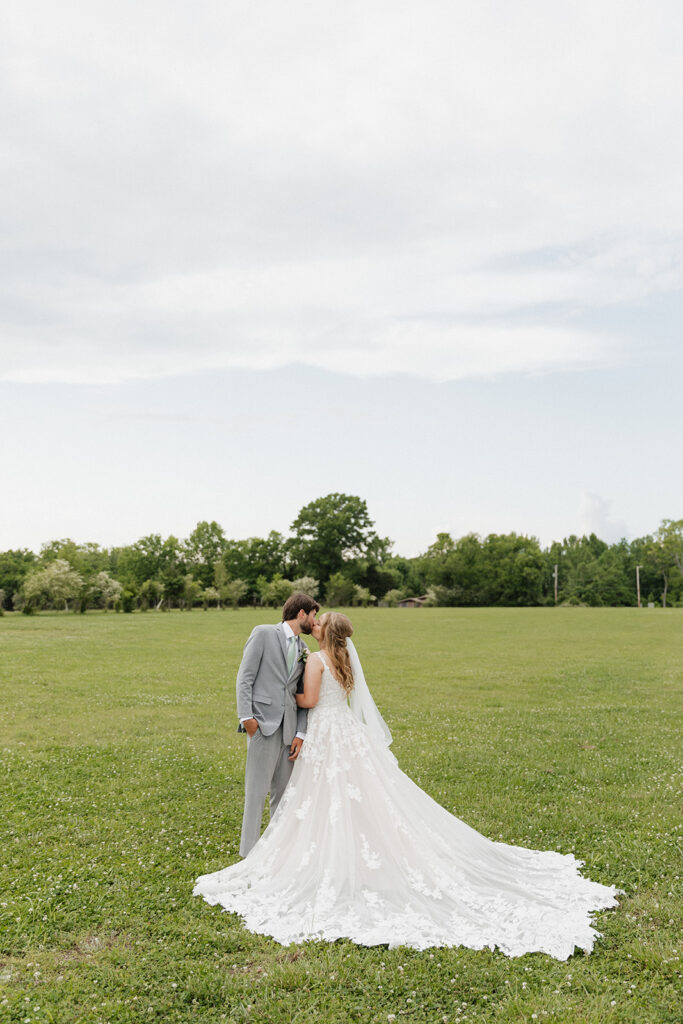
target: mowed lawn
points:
(121, 774)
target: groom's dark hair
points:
(298, 603)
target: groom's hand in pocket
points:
(295, 748)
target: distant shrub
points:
(234, 592)
(441, 597)
(192, 592)
(210, 598)
(340, 591)
(151, 595)
(126, 602)
(276, 592)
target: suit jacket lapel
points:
(283, 645)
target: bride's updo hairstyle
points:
(335, 628)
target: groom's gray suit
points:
(266, 691)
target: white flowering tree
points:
(306, 585)
(56, 584)
(107, 590)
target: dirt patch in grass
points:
(91, 944)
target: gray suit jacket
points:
(265, 690)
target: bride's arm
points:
(313, 674)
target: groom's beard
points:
(307, 630)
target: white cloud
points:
(434, 189)
(595, 516)
(420, 349)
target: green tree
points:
(15, 565)
(192, 590)
(455, 570)
(663, 555)
(275, 592)
(503, 569)
(340, 590)
(331, 531)
(407, 574)
(642, 554)
(138, 562)
(374, 573)
(87, 559)
(150, 558)
(150, 595)
(577, 558)
(203, 548)
(126, 602)
(670, 535)
(512, 569)
(234, 592)
(172, 572)
(605, 580)
(220, 579)
(254, 557)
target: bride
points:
(356, 850)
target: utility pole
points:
(638, 568)
(555, 578)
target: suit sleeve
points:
(246, 674)
(301, 720)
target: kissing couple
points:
(354, 849)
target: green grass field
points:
(122, 781)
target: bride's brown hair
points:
(335, 628)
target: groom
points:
(272, 666)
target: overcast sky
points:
(429, 253)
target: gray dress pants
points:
(268, 771)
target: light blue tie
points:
(291, 654)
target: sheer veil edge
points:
(361, 703)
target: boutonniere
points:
(303, 656)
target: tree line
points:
(334, 554)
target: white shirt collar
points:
(289, 632)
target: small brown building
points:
(413, 602)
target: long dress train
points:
(357, 850)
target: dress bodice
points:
(331, 693)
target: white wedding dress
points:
(356, 850)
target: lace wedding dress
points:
(357, 850)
